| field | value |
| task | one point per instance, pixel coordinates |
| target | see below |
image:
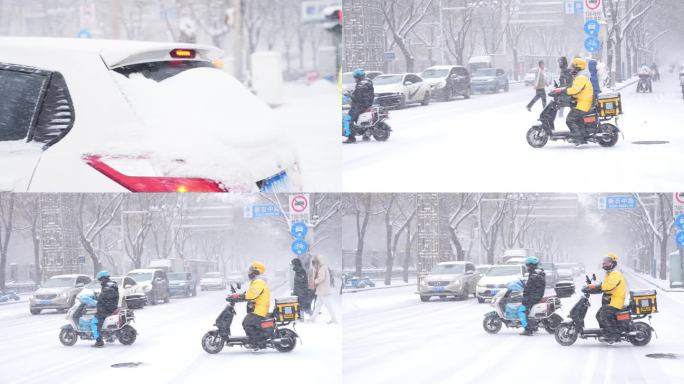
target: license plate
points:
(46, 302)
(437, 289)
(494, 291)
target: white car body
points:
(410, 88)
(490, 285)
(212, 280)
(136, 129)
(125, 290)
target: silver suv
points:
(58, 292)
(451, 278)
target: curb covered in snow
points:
(356, 290)
(656, 284)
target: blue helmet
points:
(359, 73)
(532, 260)
(102, 275)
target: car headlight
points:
(147, 288)
(490, 80)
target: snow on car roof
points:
(146, 270)
(72, 275)
(113, 52)
(443, 67)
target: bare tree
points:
(458, 28)
(137, 225)
(660, 226)
(6, 229)
(402, 17)
(618, 24)
(95, 213)
(398, 212)
(461, 206)
(490, 227)
(517, 223)
(30, 210)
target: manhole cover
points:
(663, 356)
(125, 365)
(650, 142)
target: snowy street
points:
(392, 336)
(168, 346)
(479, 145)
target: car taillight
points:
(183, 53)
(154, 184)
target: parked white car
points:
(496, 279)
(81, 115)
(399, 90)
(212, 280)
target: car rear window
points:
(21, 94)
(161, 70)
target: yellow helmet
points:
(580, 63)
(612, 256)
(258, 266)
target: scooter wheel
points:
(68, 337)
(566, 335)
(288, 340)
(491, 324)
(382, 132)
(537, 137)
(610, 135)
(127, 335)
(643, 335)
(212, 342)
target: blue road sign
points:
(680, 239)
(300, 247)
(592, 27)
(618, 202)
(592, 44)
(84, 34)
(299, 229)
(579, 7)
(81, 260)
(679, 220)
(265, 210)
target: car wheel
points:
(424, 298)
(35, 311)
(152, 300)
(480, 300)
(447, 94)
(466, 94)
(426, 99)
(402, 102)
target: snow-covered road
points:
(479, 145)
(390, 336)
(168, 346)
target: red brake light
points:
(183, 53)
(154, 184)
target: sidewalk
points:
(395, 284)
(660, 284)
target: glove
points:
(233, 297)
(557, 91)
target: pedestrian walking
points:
(323, 290)
(539, 87)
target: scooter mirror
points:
(594, 277)
(555, 84)
(239, 286)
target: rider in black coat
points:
(361, 99)
(301, 285)
(107, 302)
(534, 290)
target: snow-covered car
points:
(182, 283)
(496, 279)
(449, 278)
(358, 282)
(564, 274)
(399, 90)
(489, 80)
(447, 81)
(127, 291)
(57, 292)
(82, 115)
(153, 283)
(212, 280)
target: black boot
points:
(527, 332)
(350, 140)
(98, 343)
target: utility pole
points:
(238, 40)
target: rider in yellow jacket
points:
(614, 289)
(581, 90)
(258, 299)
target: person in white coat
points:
(321, 278)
